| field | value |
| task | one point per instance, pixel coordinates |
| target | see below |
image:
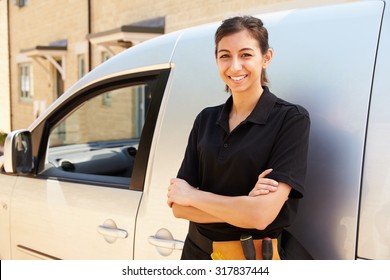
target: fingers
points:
(169, 200)
(179, 192)
(264, 185)
(266, 181)
(261, 189)
(256, 192)
(172, 184)
(265, 173)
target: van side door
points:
(83, 201)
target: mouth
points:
(238, 78)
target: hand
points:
(264, 185)
(179, 192)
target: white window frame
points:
(25, 81)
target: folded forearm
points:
(193, 214)
(242, 211)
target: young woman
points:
(244, 167)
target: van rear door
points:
(324, 59)
(374, 223)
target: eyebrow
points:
(243, 49)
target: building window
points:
(81, 65)
(105, 56)
(25, 81)
(20, 3)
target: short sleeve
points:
(189, 169)
(289, 153)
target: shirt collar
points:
(259, 114)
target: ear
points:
(267, 58)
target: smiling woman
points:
(245, 162)
(256, 31)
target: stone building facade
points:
(5, 113)
(54, 43)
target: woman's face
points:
(240, 62)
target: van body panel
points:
(324, 60)
(374, 226)
(6, 188)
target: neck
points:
(244, 103)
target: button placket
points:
(223, 148)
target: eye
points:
(224, 56)
(246, 55)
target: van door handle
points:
(164, 242)
(112, 232)
(167, 244)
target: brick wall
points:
(5, 122)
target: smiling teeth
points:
(238, 78)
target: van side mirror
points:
(18, 152)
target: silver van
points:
(88, 179)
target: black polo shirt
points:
(275, 135)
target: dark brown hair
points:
(255, 28)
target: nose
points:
(236, 64)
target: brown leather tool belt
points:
(228, 250)
(232, 250)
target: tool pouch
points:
(232, 250)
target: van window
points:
(94, 123)
(97, 142)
